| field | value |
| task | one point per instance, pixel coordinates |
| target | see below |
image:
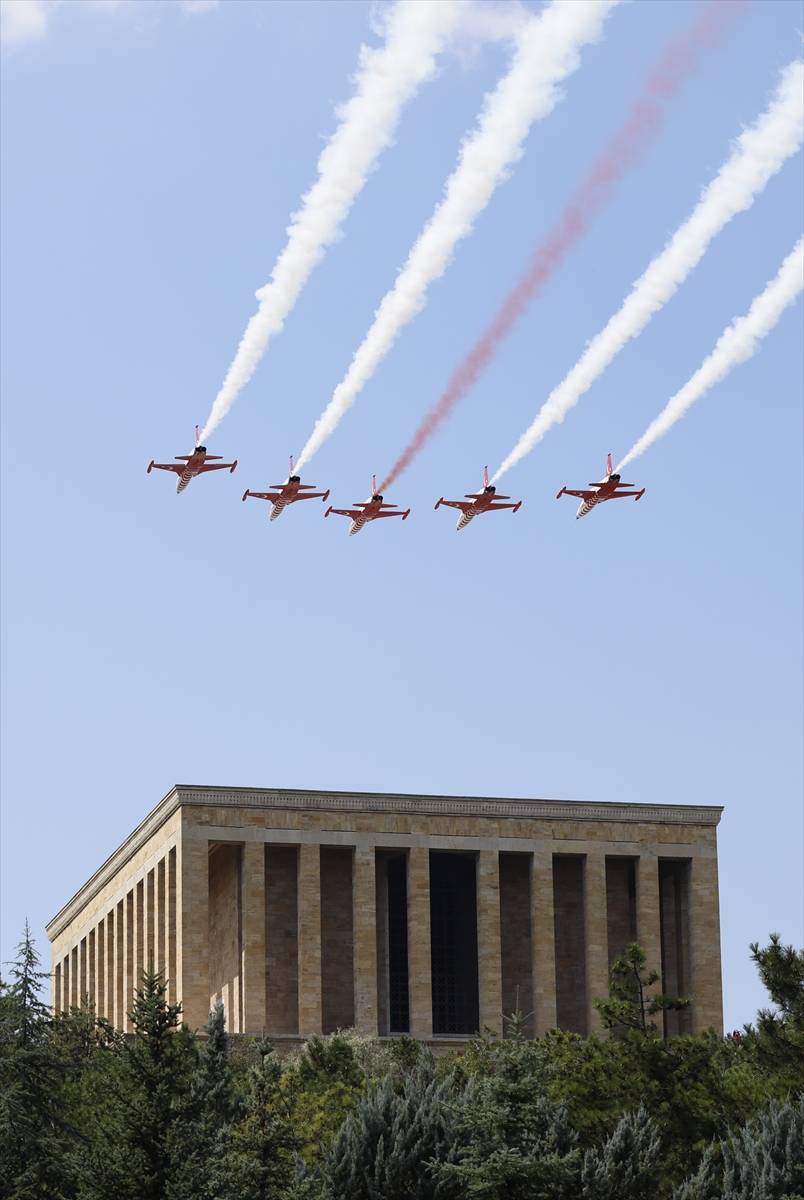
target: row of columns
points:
(163, 922)
(137, 933)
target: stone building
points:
(434, 915)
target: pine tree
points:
(512, 1141)
(137, 1150)
(765, 1161)
(625, 1166)
(630, 1004)
(199, 1132)
(778, 1039)
(386, 1144)
(259, 1153)
(34, 1134)
(707, 1182)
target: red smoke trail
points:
(642, 124)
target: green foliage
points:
(89, 1114)
(630, 1003)
(778, 1038)
(34, 1135)
(514, 1142)
(383, 1149)
(765, 1160)
(259, 1151)
(322, 1087)
(625, 1166)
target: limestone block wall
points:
(279, 904)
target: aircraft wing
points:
(273, 496)
(580, 493)
(461, 504)
(177, 467)
(355, 513)
(388, 514)
(617, 495)
(216, 467)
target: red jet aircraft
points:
(368, 510)
(287, 493)
(190, 465)
(478, 502)
(606, 490)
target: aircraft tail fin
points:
(485, 477)
(609, 465)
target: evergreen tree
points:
(625, 1166)
(630, 1004)
(258, 1154)
(765, 1161)
(198, 1135)
(34, 1134)
(707, 1182)
(138, 1148)
(385, 1146)
(512, 1141)
(778, 1039)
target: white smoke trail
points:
(548, 50)
(388, 77)
(760, 152)
(737, 343)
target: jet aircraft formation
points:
(474, 504)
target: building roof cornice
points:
(267, 799)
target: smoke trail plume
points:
(760, 152)
(548, 50)
(642, 124)
(740, 341)
(387, 79)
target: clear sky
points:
(152, 154)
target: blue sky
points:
(152, 154)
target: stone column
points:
(100, 972)
(159, 918)
(420, 985)
(309, 939)
(109, 971)
(253, 966)
(149, 901)
(170, 926)
(364, 926)
(128, 959)
(83, 988)
(596, 935)
(139, 933)
(55, 988)
(543, 936)
(704, 948)
(119, 969)
(649, 933)
(75, 998)
(192, 938)
(489, 951)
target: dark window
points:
(453, 932)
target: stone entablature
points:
(304, 909)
